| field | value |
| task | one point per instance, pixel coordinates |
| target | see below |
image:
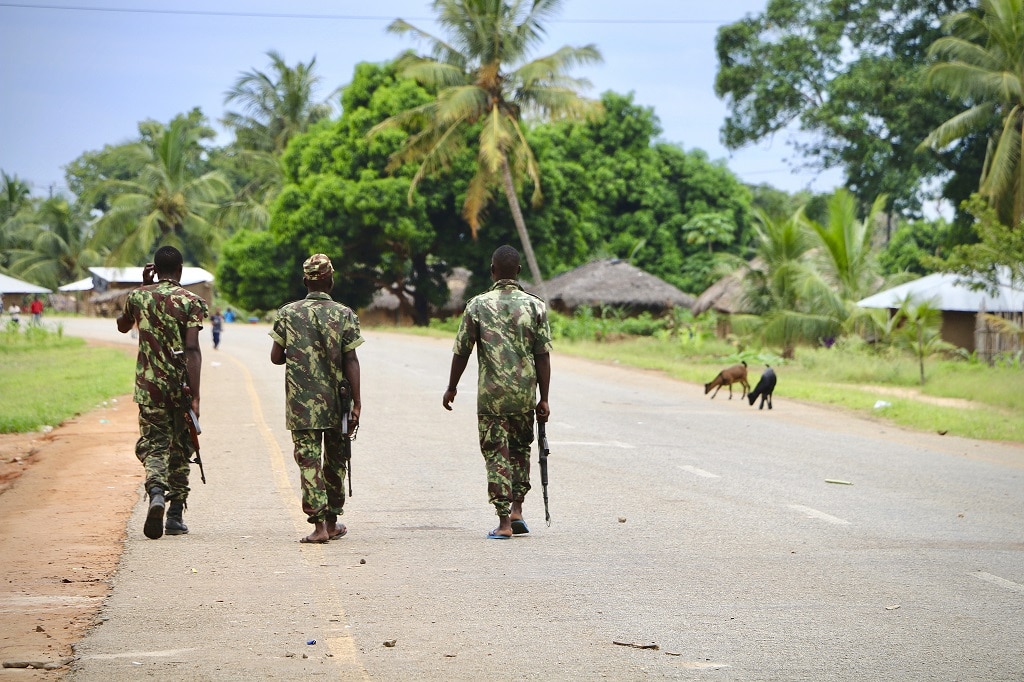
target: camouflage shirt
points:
(162, 311)
(315, 333)
(508, 327)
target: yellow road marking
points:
(343, 647)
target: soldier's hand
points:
(149, 273)
(449, 398)
(195, 407)
(353, 415)
(543, 411)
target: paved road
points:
(705, 527)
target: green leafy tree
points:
(999, 246)
(849, 76)
(340, 198)
(981, 64)
(486, 82)
(613, 190)
(913, 245)
(56, 247)
(170, 201)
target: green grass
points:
(46, 378)
(846, 377)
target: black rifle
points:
(193, 429)
(345, 403)
(542, 442)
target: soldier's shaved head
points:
(505, 263)
(168, 262)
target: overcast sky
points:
(76, 75)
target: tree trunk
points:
(524, 237)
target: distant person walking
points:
(216, 325)
(316, 340)
(509, 328)
(15, 311)
(166, 384)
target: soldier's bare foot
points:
(336, 530)
(319, 534)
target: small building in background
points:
(14, 291)
(965, 304)
(110, 287)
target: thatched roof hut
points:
(615, 283)
(727, 294)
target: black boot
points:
(175, 525)
(154, 527)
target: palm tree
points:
(846, 258)
(56, 250)
(276, 106)
(13, 196)
(167, 203)
(918, 328)
(981, 63)
(486, 83)
(794, 303)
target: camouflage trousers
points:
(164, 448)
(321, 472)
(505, 442)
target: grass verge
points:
(46, 378)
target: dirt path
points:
(65, 498)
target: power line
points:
(330, 17)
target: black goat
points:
(765, 387)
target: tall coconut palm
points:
(982, 62)
(56, 250)
(276, 105)
(166, 204)
(486, 83)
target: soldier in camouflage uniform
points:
(169, 319)
(316, 340)
(509, 328)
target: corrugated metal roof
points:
(954, 293)
(80, 285)
(189, 275)
(11, 285)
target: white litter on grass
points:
(881, 404)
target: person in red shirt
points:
(36, 308)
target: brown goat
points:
(727, 377)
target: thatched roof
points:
(613, 282)
(727, 294)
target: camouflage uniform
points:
(163, 311)
(316, 332)
(508, 327)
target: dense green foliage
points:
(851, 75)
